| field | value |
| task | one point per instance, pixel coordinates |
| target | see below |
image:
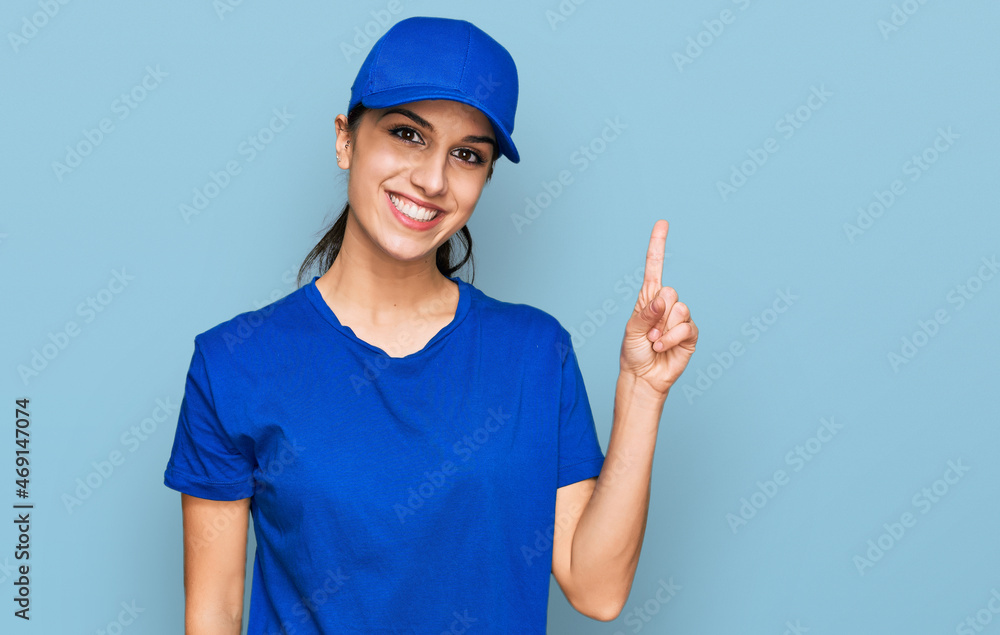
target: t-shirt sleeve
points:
(204, 461)
(580, 455)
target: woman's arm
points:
(601, 522)
(595, 557)
(215, 546)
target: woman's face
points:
(410, 161)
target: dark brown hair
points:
(327, 249)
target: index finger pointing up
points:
(654, 255)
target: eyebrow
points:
(406, 112)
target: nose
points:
(428, 173)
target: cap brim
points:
(406, 94)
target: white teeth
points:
(413, 211)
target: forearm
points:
(608, 537)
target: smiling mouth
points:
(414, 211)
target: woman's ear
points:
(343, 143)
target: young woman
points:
(417, 456)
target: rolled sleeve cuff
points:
(212, 490)
(580, 471)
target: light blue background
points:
(686, 125)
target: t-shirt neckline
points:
(464, 300)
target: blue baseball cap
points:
(441, 58)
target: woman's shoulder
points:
(254, 328)
(519, 316)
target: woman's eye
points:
(406, 134)
(469, 156)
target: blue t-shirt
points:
(389, 495)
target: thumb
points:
(651, 313)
